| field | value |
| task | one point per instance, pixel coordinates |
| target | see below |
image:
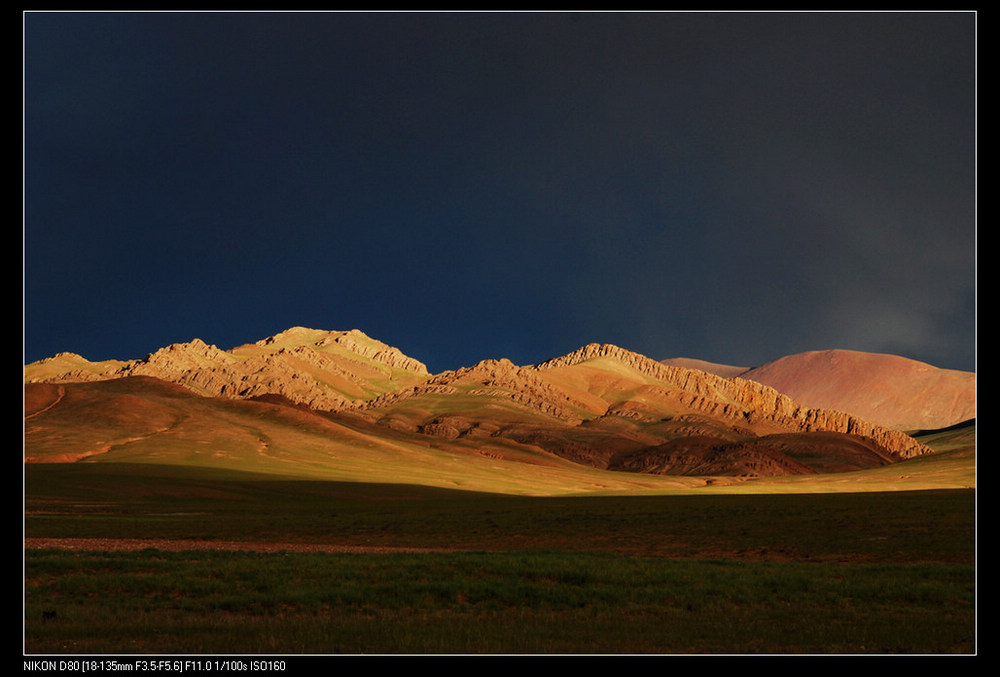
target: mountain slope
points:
(723, 370)
(143, 420)
(745, 403)
(324, 370)
(602, 404)
(889, 390)
(600, 407)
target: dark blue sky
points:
(725, 186)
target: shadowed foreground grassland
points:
(514, 602)
(872, 572)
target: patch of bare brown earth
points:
(180, 545)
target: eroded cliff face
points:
(491, 379)
(326, 371)
(358, 343)
(742, 400)
(349, 371)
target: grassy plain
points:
(479, 602)
(851, 563)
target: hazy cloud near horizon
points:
(724, 186)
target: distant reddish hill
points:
(887, 390)
(723, 370)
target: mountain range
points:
(341, 396)
(888, 390)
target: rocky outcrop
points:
(767, 456)
(742, 400)
(708, 457)
(360, 344)
(496, 379)
(326, 371)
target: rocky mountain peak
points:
(321, 369)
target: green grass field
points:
(478, 602)
(871, 572)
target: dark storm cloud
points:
(727, 186)
(870, 168)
